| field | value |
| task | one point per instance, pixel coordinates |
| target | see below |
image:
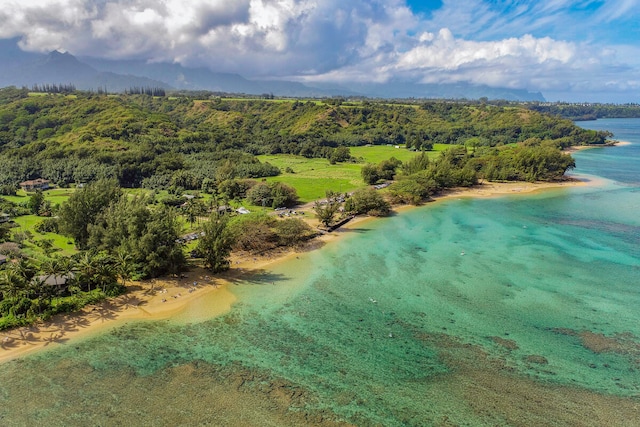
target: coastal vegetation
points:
(136, 185)
(588, 111)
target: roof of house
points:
(54, 280)
(37, 181)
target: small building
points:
(3, 259)
(243, 211)
(4, 217)
(55, 280)
(35, 184)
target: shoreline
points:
(177, 297)
(576, 148)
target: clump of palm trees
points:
(29, 291)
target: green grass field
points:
(55, 195)
(26, 223)
(313, 177)
(378, 153)
(62, 244)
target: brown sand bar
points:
(178, 297)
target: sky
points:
(585, 50)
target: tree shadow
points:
(259, 277)
(106, 313)
(135, 288)
(359, 230)
(8, 343)
(75, 323)
(128, 300)
(57, 338)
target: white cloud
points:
(517, 43)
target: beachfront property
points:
(55, 280)
(35, 184)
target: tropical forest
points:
(97, 190)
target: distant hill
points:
(64, 68)
(446, 91)
(19, 68)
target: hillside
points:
(83, 137)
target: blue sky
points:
(582, 50)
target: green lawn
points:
(378, 153)
(312, 177)
(55, 195)
(63, 244)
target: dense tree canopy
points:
(80, 212)
(156, 142)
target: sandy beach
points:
(575, 148)
(183, 298)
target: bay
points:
(518, 310)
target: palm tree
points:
(123, 265)
(24, 269)
(67, 265)
(53, 267)
(105, 275)
(86, 269)
(11, 283)
(38, 287)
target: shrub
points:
(275, 194)
(49, 225)
(293, 231)
(253, 232)
(408, 191)
(367, 201)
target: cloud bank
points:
(560, 46)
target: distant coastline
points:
(575, 148)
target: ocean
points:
(517, 310)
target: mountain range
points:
(19, 68)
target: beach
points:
(575, 148)
(183, 298)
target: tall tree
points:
(124, 265)
(82, 208)
(215, 245)
(35, 202)
(158, 250)
(326, 211)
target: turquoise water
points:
(418, 319)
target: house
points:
(242, 210)
(55, 280)
(4, 217)
(3, 259)
(35, 184)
